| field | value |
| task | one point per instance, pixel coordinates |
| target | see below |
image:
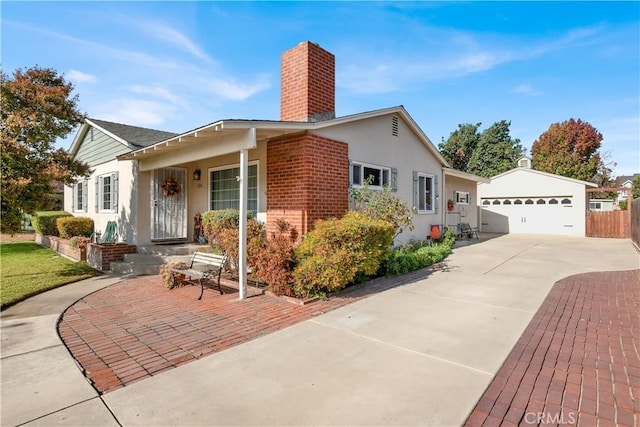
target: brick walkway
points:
(138, 328)
(577, 362)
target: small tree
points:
(382, 204)
(460, 145)
(570, 149)
(496, 152)
(36, 108)
(635, 188)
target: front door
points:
(168, 204)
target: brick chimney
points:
(307, 91)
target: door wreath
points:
(170, 187)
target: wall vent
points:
(394, 126)
(524, 162)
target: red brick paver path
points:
(577, 362)
(138, 328)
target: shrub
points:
(381, 204)
(167, 277)
(221, 229)
(623, 205)
(70, 226)
(273, 260)
(45, 222)
(79, 242)
(340, 251)
(414, 257)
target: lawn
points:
(27, 269)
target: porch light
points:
(196, 175)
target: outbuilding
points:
(524, 200)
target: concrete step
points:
(135, 269)
(169, 250)
(149, 259)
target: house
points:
(625, 181)
(601, 205)
(524, 200)
(299, 168)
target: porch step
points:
(168, 250)
(149, 259)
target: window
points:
(496, 202)
(486, 202)
(426, 193)
(462, 198)
(553, 202)
(225, 188)
(566, 202)
(595, 206)
(80, 196)
(517, 202)
(528, 202)
(106, 195)
(507, 202)
(540, 202)
(379, 176)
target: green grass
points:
(27, 269)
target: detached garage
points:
(524, 200)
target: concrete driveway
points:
(417, 354)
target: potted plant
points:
(450, 204)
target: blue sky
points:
(178, 65)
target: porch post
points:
(242, 245)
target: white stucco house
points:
(300, 168)
(524, 200)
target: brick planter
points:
(62, 246)
(100, 257)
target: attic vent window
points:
(394, 126)
(524, 163)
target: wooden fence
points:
(635, 221)
(614, 224)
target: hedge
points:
(44, 222)
(71, 226)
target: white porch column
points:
(242, 232)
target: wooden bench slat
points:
(212, 264)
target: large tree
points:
(36, 108)
(570, 149)
(485, 154)
(460, 145)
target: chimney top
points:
(307, 84)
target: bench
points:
(203, 266)
(466, 229)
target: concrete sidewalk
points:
(418, 354)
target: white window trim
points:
(232, 166)
(462, 197)
(84, 186)
(100, 194)
(369, 165)
(433, 195)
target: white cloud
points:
(230, 88)
(472, 54)
(525, 89)
(165, 33)
(79, 77)
(160, 93)
(136, 112)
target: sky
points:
(176, 66)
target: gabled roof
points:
(550, 175)
(622, 179)
(134, 137)
(270, 128)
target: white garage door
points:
(532, 215)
